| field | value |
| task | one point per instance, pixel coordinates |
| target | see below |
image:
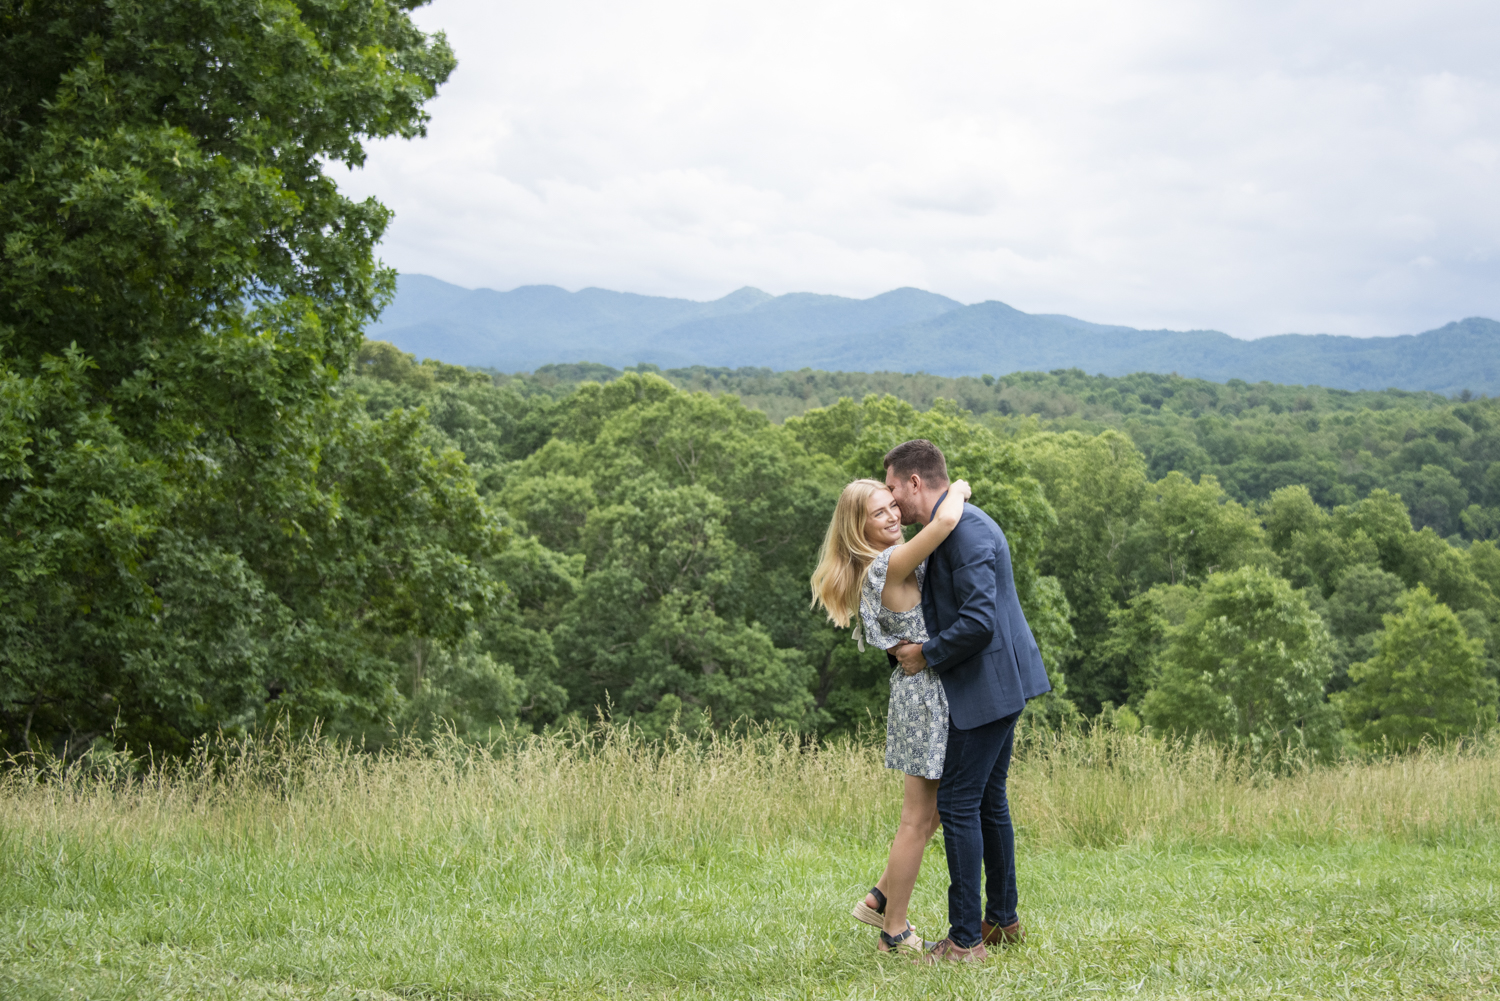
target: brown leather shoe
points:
(996, 935)
(950, 952)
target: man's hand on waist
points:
(910, 657)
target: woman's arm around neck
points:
(906, 557)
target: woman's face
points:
(882, 520)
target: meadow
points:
(601, 865)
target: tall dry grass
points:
(608, 791)
(1100, 787)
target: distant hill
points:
(905, 330)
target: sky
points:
(1255, 167)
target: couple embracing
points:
(943, 606)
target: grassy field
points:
(601, 867)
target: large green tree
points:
(1247, 666)
(1424, 680)
(1186, 531)
(195, 523)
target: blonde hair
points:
(845, 554)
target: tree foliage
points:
(674, 595)
(687, 526)
(1096, 485)
(1158, 483)
(196, 524)
(1247, 665)
(1424, 679)
(1441, 455)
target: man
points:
(984, 653)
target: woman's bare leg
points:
(919, 820)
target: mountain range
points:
(903, 330)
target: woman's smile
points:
(882, 520)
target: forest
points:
(1435, 451)
(1256, 563)
(1131, 540)
(224, 509)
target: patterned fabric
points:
(916, 726)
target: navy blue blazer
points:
(981, 646)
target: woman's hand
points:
(952, 507)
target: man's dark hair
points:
(919, 456)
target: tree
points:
(1187, 531)
(1424, 681)
(1315, 549)
(198, 527)
(1095, 484)
(1247, 666)
(1415, 556)
(489, 424)
(1128, 659)
(460, 688)
(697, 521)
(1355, 611)
(664, 612)
(1435, 497)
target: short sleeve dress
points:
(916, 728)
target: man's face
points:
(906, 491)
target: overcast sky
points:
(1254, 167)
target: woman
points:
(865, 569)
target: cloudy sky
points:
(1255, 167)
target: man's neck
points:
(929, 500)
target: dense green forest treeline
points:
(634, 546)
(1141, 585)
(220, 506)
(1065, 393)
(661, 541)
(1438, 453)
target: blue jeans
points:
(976, 828)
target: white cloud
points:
(1256, 167)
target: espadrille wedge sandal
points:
(873, 916)
(908, 942)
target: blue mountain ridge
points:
(903, 330)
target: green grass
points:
(608, 868)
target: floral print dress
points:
(916, 727)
